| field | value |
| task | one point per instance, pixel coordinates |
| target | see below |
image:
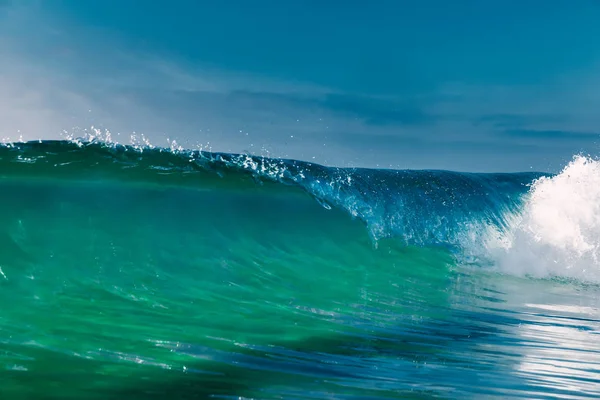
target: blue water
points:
(138, 272)
(239, 271)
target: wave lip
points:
(418, 207)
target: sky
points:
(463, 85)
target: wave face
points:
(150, 272)
(416, 207)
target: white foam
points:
(558, 231)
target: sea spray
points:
(557, 232)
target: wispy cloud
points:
(558, 137)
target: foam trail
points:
(558, 232)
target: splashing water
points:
(557, 233)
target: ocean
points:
(138, 272)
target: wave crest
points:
(525, 223)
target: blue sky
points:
(463, 85)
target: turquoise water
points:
(151, 273)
